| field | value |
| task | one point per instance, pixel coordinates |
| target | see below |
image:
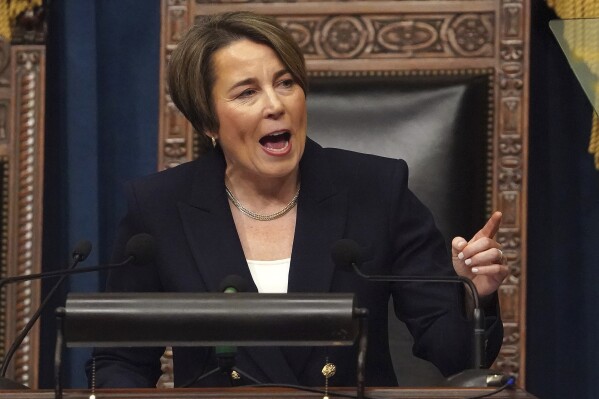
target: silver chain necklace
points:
(257, 216)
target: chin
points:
(280, 167)
(280, 172)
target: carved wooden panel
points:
(450, 36)
(22, 67)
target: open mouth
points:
(276, 141)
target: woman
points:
(267, 203)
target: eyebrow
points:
(248, 81)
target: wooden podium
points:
(268, 393)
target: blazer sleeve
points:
(433, 312)
(128, 367)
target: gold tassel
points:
(10, 10)
(577, 40)
(4, 20)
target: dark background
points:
(102, 123)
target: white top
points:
(270, 276)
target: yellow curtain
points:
(10, 9)
(578, 41)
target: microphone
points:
(233, 284)
(225, 355)
(79, 254)
(347, 255)
(139, 250)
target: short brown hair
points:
(191, 74)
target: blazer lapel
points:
(321, 216)
(209, 226)
(215, 245)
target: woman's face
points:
(261, 111)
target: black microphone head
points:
(142, 248)
(82, 250)
(345, 253)
(233, 282)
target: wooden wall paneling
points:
(22, 82)
(445, 35)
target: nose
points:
(273, 108)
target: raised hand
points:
(481, 258)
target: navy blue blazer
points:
(343, 195)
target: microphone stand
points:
(346, 252)
(225, 356)
(60, 273)
(477, 314)
(478, 375)
(6, 383)
(80, 253)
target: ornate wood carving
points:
(176, 142)
(30, 27)
(372, 35)
(21, 145)
(4, 194)
(4, 63)
(28, 66)
(22, 80)
(396, 36)
(510, 171)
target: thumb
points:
(457, 244)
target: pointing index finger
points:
(490, 228)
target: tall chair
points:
(440, 83)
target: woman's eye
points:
(287, 83)
(247, 93)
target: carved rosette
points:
(383, 36)
(29, 125)
(511, 177)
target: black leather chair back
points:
(439, 125)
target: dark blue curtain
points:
(102, 124)
(102, 111)
(563, 261)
